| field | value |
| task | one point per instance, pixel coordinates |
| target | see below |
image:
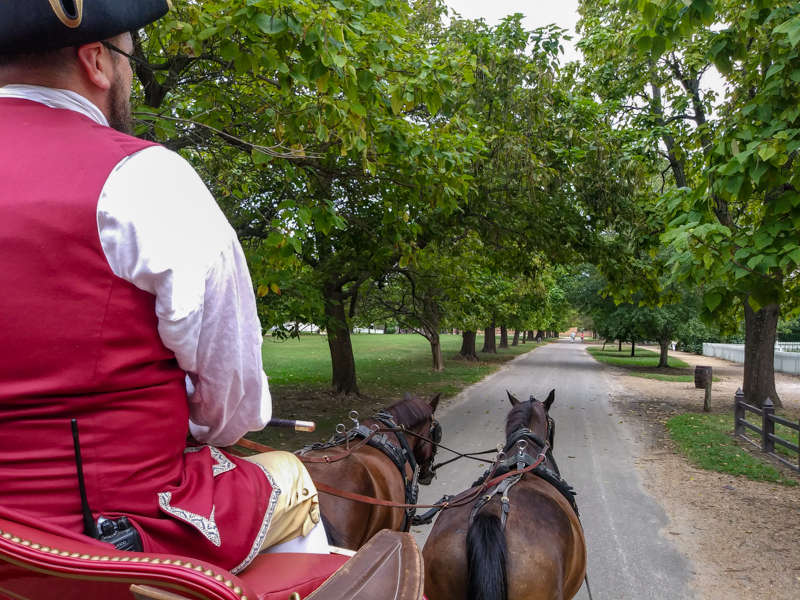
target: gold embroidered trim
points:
(58, 8)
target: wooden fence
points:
(767, 429)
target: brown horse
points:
(370, 471)
(541, 553)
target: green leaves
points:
(269, 24)
(712, 301)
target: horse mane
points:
(410, 411)
(519, 416)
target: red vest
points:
(76, 341)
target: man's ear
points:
(97, 65)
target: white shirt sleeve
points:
(161, 230)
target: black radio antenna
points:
(89, 527)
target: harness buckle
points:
(342, 430)
(353, 416)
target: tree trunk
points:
(633, 347)
(663, 360)
(759, 354)
(342, 361)
(503, 336)
(540, 335)
(531, 335)
(467, 351)
(436, 352)
(620, 346)
(489, 341)
(515, 341)
(524, 335)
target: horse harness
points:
(400, 457)
(519, 460)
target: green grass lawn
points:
(661, 377)
(642, 357)
(387, 366)
(706, 441)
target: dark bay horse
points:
(541, 552)
(370, 471)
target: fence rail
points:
(767, 429)
(788, 346)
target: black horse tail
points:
(333, 535)
(487, 559)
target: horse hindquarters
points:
(487, 559)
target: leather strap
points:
(309, 459)
(461, 499)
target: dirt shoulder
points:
(743, 536)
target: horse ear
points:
(435, 402)
(550, 399)
(511, 397)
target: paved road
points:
(629, 559)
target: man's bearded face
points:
(119, 109)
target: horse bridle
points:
(435, 438)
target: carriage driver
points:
(126, 304)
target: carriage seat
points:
(39, 565)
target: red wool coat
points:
(79, 342)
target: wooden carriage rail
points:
(767, 429)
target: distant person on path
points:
(581, 337)
(127, 305)
(572, 337)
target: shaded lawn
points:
(707, 441)
(387, 366)
(642, 357)
(662, 377)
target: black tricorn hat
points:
(36, 25)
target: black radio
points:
(119, 532)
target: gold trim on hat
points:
(58, 8)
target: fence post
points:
(707, 399)
(738, 412)
(767, 426)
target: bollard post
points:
(707, 400)
(738, 412)
(767, 426)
